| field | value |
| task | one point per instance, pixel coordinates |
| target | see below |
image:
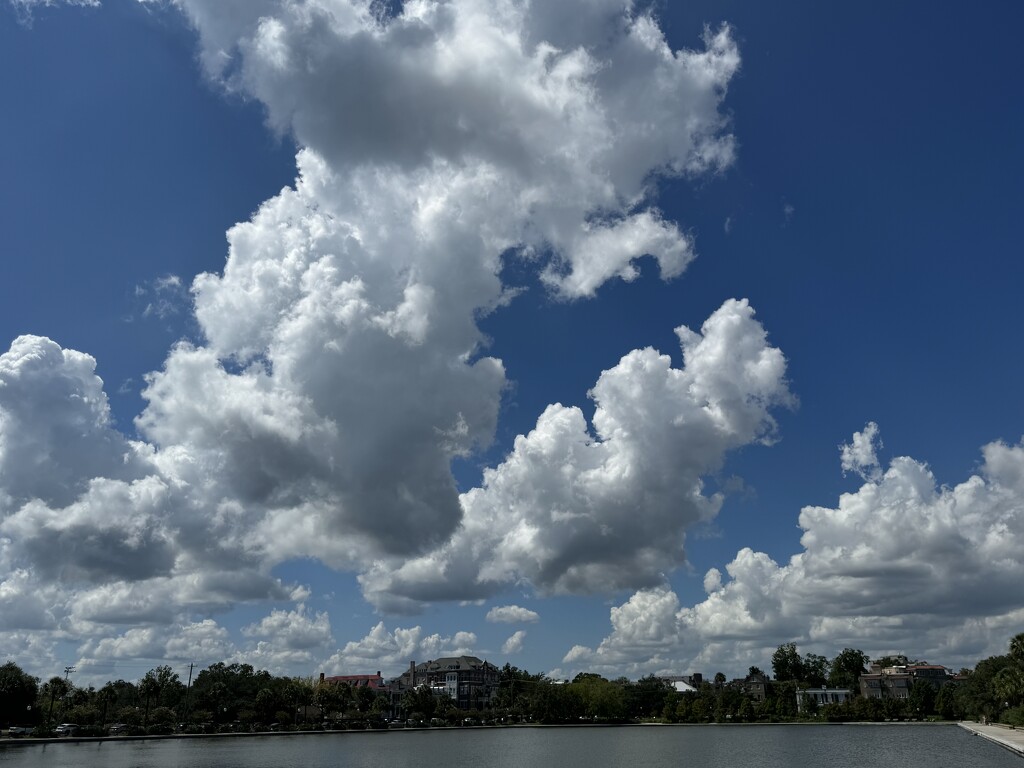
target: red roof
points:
(357, 681)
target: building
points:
(895, 682)
(684, 683)
(820, 697)
(755, 686)
(376, 682)
(469, 681)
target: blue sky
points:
(285, 493)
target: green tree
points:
(683, 707)
(601, 699)
(267, 704)
(895, 709)
(815, 670)
(946, 704)
(786, 663)
(977, 695)
(699, 710)
(364, 698)
(646, 697)
(847, 668)
(53, 689)
(149, 687)
(18, 692)
(107, 695)
(1008, 684)
(745, 714)
(921, 699)
(418, 703)
(327, 698)
(1017, 648)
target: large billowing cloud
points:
(901, 565)
(342, 369)
(575, 511)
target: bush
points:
(1014, 716)
(161, 715)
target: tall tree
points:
(847, 668)
(921, 699)
(54, 688)
(18, 692)
(786, 663)
(1008, 684)
(149, 687)
(107, 695)
(815, 670)
(1017, 648)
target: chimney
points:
(412, 674)
(321, 677)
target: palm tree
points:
(1017, 648)
(107, 695)
(1008, 684)
(149, 686)
(57, 686)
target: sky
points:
(593, 336)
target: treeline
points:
(222, 697)
(238, 697)
(992, 691)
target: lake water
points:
(763, 746)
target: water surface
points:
(763, 746)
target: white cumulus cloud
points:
(512, 614)
(575, 511)
(341, 368)
(514, 644)
(902, 564)
(860, 455)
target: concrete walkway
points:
(1004, 736)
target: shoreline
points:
(1017, 746)
(1005, 736)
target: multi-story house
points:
(821, 697)
(756, 687)
(469, 681)
(895, 682)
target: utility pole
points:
(53, 691)
(64, 702)
(188, 687)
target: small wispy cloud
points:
(515, 643)
(161, 298)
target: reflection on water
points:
(709, 746)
